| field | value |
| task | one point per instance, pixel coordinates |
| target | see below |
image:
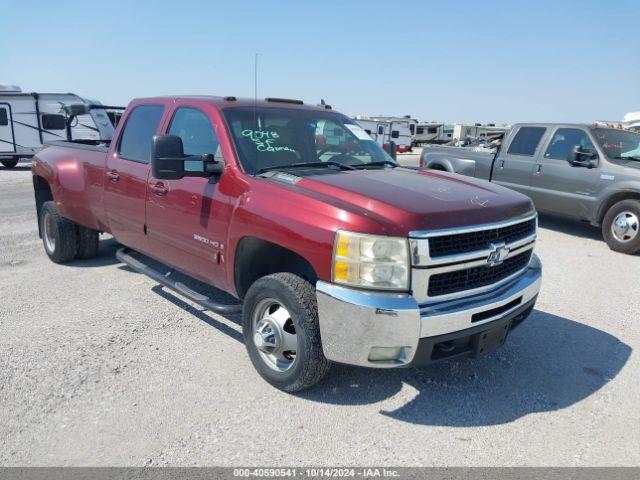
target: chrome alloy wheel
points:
(274, 335)
(625, 226)
(47, 232)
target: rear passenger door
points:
(514, 167)
(126, 173)
(559, 187)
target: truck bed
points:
(470, 161)
(92, 145)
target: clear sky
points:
(469, 61)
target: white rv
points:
(632, 121)
(28, 120)
(385, 131)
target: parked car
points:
(28, 120)
(336, 253)
(590, 173)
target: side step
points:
(178, 287)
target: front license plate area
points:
(490, 340)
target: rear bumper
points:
(352, 322)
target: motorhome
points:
(29, 120)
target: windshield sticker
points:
(358, 131)
(264, 140)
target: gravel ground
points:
(100, 366)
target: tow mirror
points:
(582, 158)
(168, 161)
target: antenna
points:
(255, 91)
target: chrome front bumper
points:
(352, 321)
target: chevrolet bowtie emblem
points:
(498, 254)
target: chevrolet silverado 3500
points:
(336, 253)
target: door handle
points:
(159, 189)
(538, 169)
(501, 163)
(113, 175)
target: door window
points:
(138, 132)
(526, 141)
(4, 118)
(196, 131)
(563, 142)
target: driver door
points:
(556, 185)
(186, 218)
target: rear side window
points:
(526, 141)
(4, 118)
(140, 128)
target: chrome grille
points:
(478, 240)
(456, 263)
(476, 277)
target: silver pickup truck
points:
(586, 172)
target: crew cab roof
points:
(234, 102)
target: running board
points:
(178, 287)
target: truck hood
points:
(404, 199)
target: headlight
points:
(371, 261)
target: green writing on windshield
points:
(265, 140)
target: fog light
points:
(381, 354)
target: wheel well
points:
(256, 258)
(612, 200)
(43, 194)
(437, 166)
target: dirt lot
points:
(100, 366)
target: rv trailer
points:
(385, 131)
(29, 120)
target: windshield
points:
(618, 144)
(268, 138)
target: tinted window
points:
(526, 141)
(433, 130)
(563, 142)
(4, 118)
(195, 129)
(141, 126)
(270, 137)
(53, 122)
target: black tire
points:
(9, 163)
(632, 245)
(299, 297)
(63, 248)
(88, 243)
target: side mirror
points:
(168, 161)
(582, 158)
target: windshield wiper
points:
(379, 163)
(329, 163)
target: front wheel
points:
(9, 163)
(281, 332)
(621, 227)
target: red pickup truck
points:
(334, 251)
